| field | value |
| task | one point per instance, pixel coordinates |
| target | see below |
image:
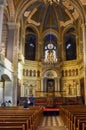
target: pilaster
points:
(56, 84)
(59, 88)
(63, 50)
(84, 50)
(15, 62)
(42, 82)
(11, 33)
(2, 6)
(39, 50)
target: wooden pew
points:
(22, 127)
(70, 112)
(72, 120)
(83, 126)
(12, 119)
(11, 107)
(80, 124)
(77, 121)
(22, 113)
(19, 123)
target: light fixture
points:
(50, 54)
(51, 49)
(52, 1)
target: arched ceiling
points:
(46, 15)
(83, 2)
(51, 16)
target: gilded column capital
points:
(13, 25)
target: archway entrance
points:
(50, 85)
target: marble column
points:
(3, 91)
(56, 84)
(59, 87)
(39, 54)
(22, 90)
(15, 62)
(22, 40)
(2, 6)
(38, 85)
(42, 82)
(63, 54)
(11, 35)
(84, 49)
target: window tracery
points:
(30, 45)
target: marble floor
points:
(51, 122)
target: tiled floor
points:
(51, 122)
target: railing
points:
(50, 94)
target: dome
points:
(56, 15)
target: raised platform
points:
(45, 109)
(49, 111)
(54, 102)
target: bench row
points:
(19, 118)
(74, 117)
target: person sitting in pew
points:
(3, 104)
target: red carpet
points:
(50, 109)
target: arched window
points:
(50, 49)
(70, 46)
(30, 45)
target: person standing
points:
(9, 103)
(25, 104)
(31, 100)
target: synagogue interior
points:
(43, 52)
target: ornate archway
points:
(50, 82)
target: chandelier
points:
(51, 59)
(52, 1)
(50, 53)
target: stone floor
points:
(51, 122)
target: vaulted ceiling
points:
(38, 13)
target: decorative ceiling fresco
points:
(39, 13)
(51, 16)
